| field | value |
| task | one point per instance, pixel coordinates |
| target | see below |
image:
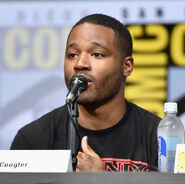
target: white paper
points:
(42, 161)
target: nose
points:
(83, 63)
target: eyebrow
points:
(100, 45)
(93, 43)
(71, 45)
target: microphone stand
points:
(78, 83)
(73, 131)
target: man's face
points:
(92, 51)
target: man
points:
(117, 135)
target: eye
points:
(98, 55)
(72, 55)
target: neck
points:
(102, 116)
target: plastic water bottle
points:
(170, 133)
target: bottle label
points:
(171, 150)
(162, 151)
(167, 149)
(172, 142)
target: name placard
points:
(42, 161)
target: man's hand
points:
(88, 160)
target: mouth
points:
(89, 83)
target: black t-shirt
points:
(130, 145)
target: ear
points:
(128, 65)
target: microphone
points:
(77, 85)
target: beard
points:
(100, 91)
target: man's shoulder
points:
(40, 134)
(143, 114)
(52, 118)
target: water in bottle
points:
(170, 133)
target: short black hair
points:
(122, 34)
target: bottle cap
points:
(170, 107)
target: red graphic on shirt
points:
(115, 164)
